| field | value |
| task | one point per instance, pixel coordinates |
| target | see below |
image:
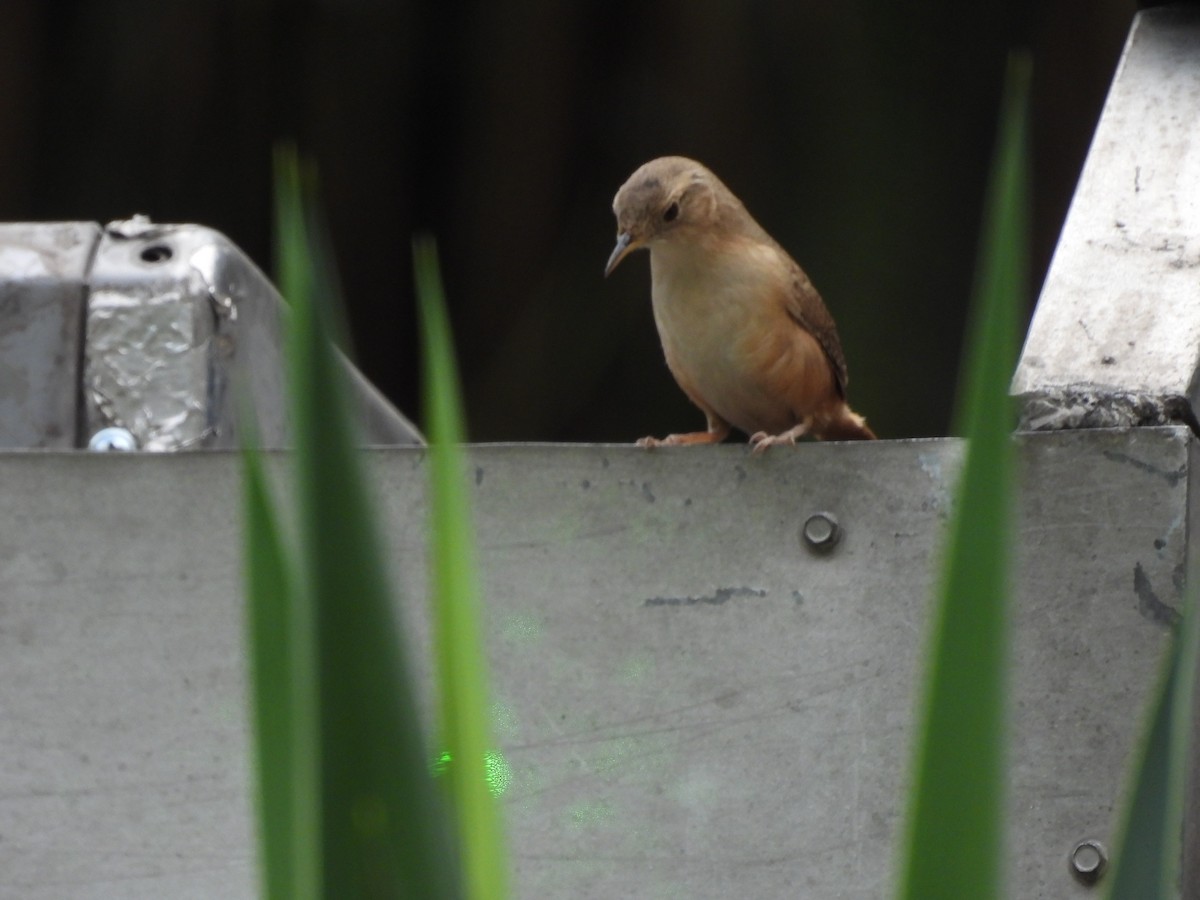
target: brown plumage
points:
(744, 331)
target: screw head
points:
(1089, 859)
(113, 440)
(821, 531)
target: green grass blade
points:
(294, 273)
(283, 702)
(1183, 711)
(1140, 871)
(1146, 862)
(955, 815)
(461, 662)
(384, 831)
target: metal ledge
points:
(694, 699)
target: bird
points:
(744, 332)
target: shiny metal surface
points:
(43, 289)
(150, 328)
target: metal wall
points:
(694, 701)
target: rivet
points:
(821, 531)
(107, 440)
(1089, 859)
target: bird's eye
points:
(671, 213)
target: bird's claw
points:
(761, 440)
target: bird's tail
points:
(850, 426)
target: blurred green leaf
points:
(955, 817)
(1146, 862)
(461, 659)
(381, 827)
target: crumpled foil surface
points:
(147, 367)
(1095, 406)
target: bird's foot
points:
(680, 440)
(760, 440)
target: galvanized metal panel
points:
(42, 274)
(692, 701)
(1115, 339)
(176, 316)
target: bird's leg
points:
(717, 432)
(760, 440)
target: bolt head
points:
(113, 440)
(821, 531)
(1089, 859)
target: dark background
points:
(858, 132)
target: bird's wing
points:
(807, 310)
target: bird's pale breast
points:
(728, 339)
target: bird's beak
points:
(625, 245)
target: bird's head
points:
(667, 198)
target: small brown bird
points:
(745, 333)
